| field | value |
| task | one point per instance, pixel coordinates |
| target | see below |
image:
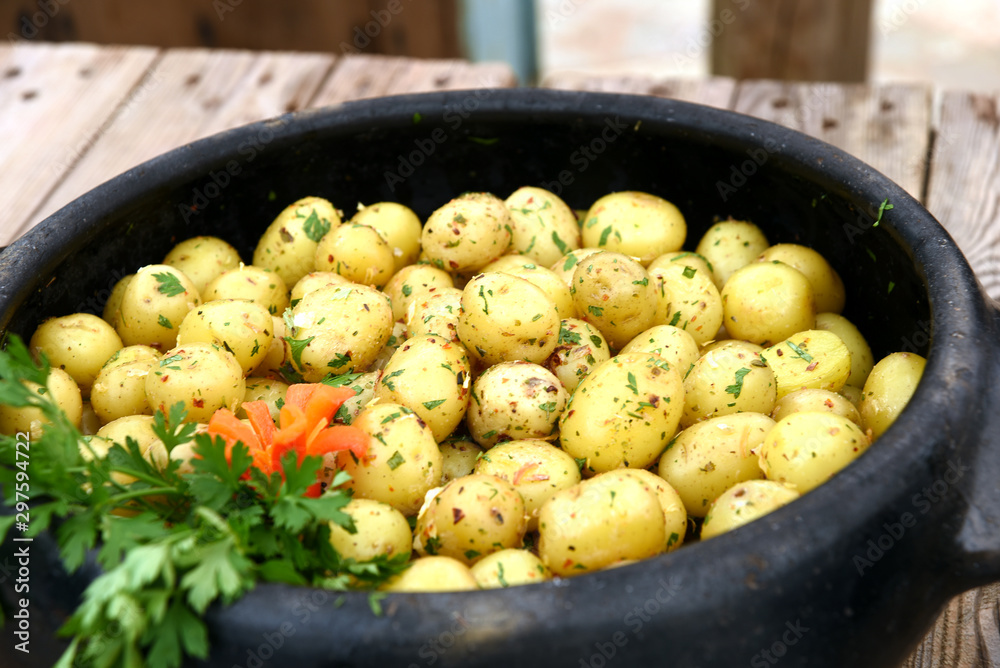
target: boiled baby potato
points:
(430, 375)
(766, 302)
(274, 358)
(460, 454)
(201, 376)
(536, 469)
(804, 450)
(315, 280)
(729, 245)
(812, 358)
(708, 458)
(137, 427)
(515, 400)
(687, 298)
(358, 253)
(396, 339)
(828, 288)
(202, 258)
(623, 413)
(566, 265)
(257, 284)
(743, 503)
(435, 311)
(241, 326)
(403, 462)
(808, 399)
(614, 293)
(288, 245)
(363, 386)
(112, 307)
(544, 228)
(271, 392)
(637, 224)
(153, 305)
(430, 574)
(580, 348)
(507, 318)
(120, 386)
(862, 360)
(467, 233)
(398, 226)
(470, 518)
(61, 388)
(685, 258)
(337, 330)
(381, 531)
(729, 378)
(671, 343)
(888, 389)
(407, 284)
(612, 517)
(547, 280)
(80, 344)
(509, 568)
(674, 513)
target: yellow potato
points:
(358, 253)
(241, 326)
(637, 224)
(767, 302)
(288, 245)
(548, 281)
(257, 284)
(153, 305)
(467, 233)
(615, 294)
(469, 518)
(804, 450)
(407, 284)
(271, 392)
(137, 427)
(509, 568)
(513, 401)
(202, 258)
(580, 348)
(729, 378)
(808, 399)
(688, 299)
(673, 344)
(398, 226)
(828, 288)
(120, 386)
(430, 574)
(566, 265)
(315, 280)
(743, 503)
(61, 388)
(813, 358)
(112, 307)
(708, 458)
(685, 258)
(199, 375)
(610, 518)
(79, 344)
(460, 455)
(888, 389)
(623, 413)
(274, 359)
(435, 311)
(862, 360)
(544, 228)
(381, 531)
(674, 513)
(730, 245)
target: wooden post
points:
(792, 40)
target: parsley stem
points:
(135, 494)
(152, 480)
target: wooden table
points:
(72, 116)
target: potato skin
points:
(288, 245)
(809, 399)
(862, 360)
(687, 298)
(610, 518)
(431, 376)
(202, 258)
(580, 348)
(673, 344)
(708, 458)
(513, 401)
(828, 288)
(63, 390)
(509, 568)
(813, 358)
(381, 531)
(79, 343)
(888, 389)
(467, 233)
(743, 503)
(469, 518)
(767, 302)
(398, 226)
(120, 386)
(729, 378)
(804, 450)
(614, 293)
(257, 284)
(241, 326)
(430, 574)
(407, 284)
(201, 376)
(635, 223)
(730, 245)
(153, 305)
(623, 413)
(544, 228)
(507, 318)
(358, 253)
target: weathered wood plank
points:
(886, 126)
(966, 634)
(192, 93)
(364, 76)
(54, 100)
(712, 91)
(964, 184)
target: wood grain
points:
(364, 76)
(712, 91)
(886, 126)
(54, 102)
(964, 185)
(191, 93)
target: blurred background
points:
(953, 42)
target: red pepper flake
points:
(828, 403)
(198, 403)
(812, 366)
(780, 353)
(456, 515)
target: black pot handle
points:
(978, 535)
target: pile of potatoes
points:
(548, 392)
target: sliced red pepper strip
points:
(299, 394)
(223, 423)
(337, 438)
(260, 419)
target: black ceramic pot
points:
(850, 575)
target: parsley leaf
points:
(169, 284)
